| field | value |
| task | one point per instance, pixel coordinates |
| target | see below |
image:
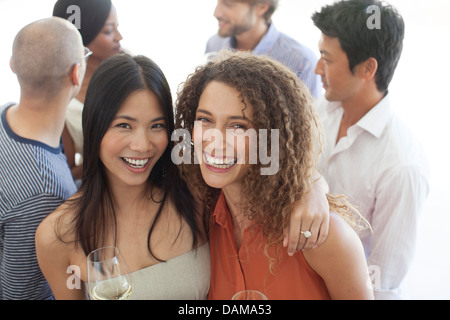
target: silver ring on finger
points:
(306, 234)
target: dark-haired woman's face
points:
(135, 140)
(107, 42)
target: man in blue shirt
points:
(247, 25)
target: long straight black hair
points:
(113, 81)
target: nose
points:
(118, 36)
(215, 139)
(140, 142)
(217, 10)
(319, 67)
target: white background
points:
(174, 32)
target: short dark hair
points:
(348, 21)
(94, 14)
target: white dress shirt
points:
(384, 172)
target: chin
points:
(214, 182)
(330, 97)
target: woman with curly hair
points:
(256, 101)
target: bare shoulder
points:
(56, 227)
(340, 230)
(341, 263)
(342, 240)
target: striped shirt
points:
(34, 180)
(278, 46)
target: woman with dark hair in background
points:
(98, 26)
(131, 196)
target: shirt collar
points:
(267, 40)
(221, 215)
(374, 121)
(377, 118)
(264, 44)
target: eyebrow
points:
(325, 52)
(231, 117)
(111, 24)
(125, 117)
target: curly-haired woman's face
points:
(223, 136)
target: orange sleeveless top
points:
(233, 269)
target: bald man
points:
(49, 60)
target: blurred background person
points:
(99, 30)
(247, 25)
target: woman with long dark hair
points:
(131, 196)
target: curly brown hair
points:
(280, 101)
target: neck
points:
(357, 107)
(92, 65)
(234, 199)
(247, 41)
(39, 119)
(131, 201)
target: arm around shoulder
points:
(341, 263)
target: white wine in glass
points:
(108, 275)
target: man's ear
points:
(261, 8)
(76, 75)
(11, 65)
(367, 69)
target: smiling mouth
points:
(222, 22)
(219, 163)
(136, 163)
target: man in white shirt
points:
(369, 155)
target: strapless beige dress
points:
(185, 277)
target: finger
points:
(302, 239)
(293, 235)
(312, 240)
(305, 226)
(323, 233)
(303, 242)
(285, 238)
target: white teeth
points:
(136, 163)
(220, 163)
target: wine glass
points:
(249, 295)
(108, 275)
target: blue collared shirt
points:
(277, 45)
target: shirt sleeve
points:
(20, 275)
(399, 199)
